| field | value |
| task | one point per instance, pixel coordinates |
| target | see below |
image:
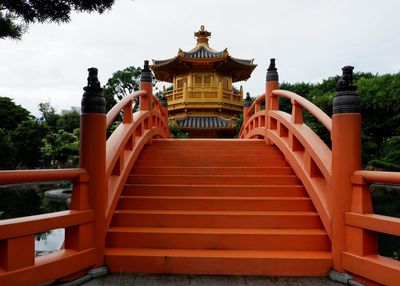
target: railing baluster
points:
(297, 112)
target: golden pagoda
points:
(203, 101)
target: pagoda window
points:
(225, 83)
(198, 80)
(180, 82)
(207, 80)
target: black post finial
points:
(247, 100)
(272, 71)
(93, 100)
(146, 72)
(346, 99)
(163, 100)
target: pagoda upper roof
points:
(203, 57)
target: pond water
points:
(49, 242)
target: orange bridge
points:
(278, 201)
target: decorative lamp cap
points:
(346, 99)
(247, 100)
(146, 73)
(346, 81)
(93, 100)
(272, 71)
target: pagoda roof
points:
(203, 57)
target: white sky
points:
(311, 40)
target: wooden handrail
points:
(17, 227)
(113, 113)
(309, 106)
(379, 176)
(26, 176)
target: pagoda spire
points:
(202, 36)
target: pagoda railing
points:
(204, 94)
(332, 177)
(105, 165)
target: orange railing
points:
(332, 178)
(361, 256)
(105, 165)
(18, 264)
(128, 139)
(305, 151)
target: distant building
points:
(203, 101)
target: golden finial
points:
(202, 36)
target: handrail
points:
(379, 176)
(258, 100)
(25, 176)
(113, 113)
(309, 106)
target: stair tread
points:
(242, 213)
(217, 198)
(208, 230)
(250, 254)
(215, 185)
(214, 175)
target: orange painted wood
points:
(379, 177)
(374, 222)
(18, 252)
(309, 106)
(213, 170)
(201, 199)
(24, 176)
(218, 238)
(240, 262)
(17, 227)
(214, 179)
(50, 267)
(209, 162)
(215, 190)
(215, 203)
(245, 219)
(375, 267)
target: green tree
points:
(61, 149)
(7, 151)
(12, 114)
(50, 117)
(121, 84)
(16, 15)
(27, 139)
(69, 121)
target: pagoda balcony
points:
(213, 96)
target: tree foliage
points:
(122, 83)
(380, 111)
(16, 15)
(12, 114)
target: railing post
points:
(271, 102)
(93, 155)
(246, 105)
(146, 101)
(346, 158)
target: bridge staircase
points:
(213, 207)
(276, 201)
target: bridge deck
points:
(203, 280)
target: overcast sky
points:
(311, 40)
